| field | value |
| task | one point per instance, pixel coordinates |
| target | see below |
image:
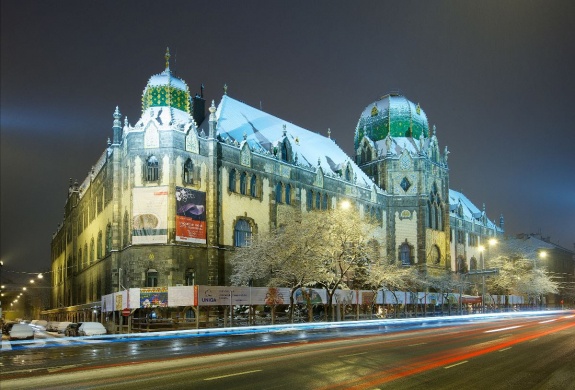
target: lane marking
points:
(456, 364)
(60, 368)
(544, 322)
(229, 375)
(504, 349)
(502, 329)
(281, 342)
(353, 354)
(415, 345)
(534, 340)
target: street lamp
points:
(482, 259)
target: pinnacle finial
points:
(284, 131)
(328, 133)
(167, 56)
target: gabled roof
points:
(264, 131)
(470, 212)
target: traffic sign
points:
(126, 312)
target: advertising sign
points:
(190, 215)
(150, 218)
(154, 297)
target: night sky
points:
(495, 77)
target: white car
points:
(91, 329)
(21, 332)
(62, 326)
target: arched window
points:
(253, 187)
(152, 278)
(190, 277)
(85, 257)
(434, 210)
(152, 169)
(79, 262)
(434, 255)
(243, 184)
(232, 184)
(189, 172)
(108, 239)
(318, 201)
(279, 191)
(325, 202)
(309, 199)
(461, 265)
(348, 173)
(92, 252)
(99, 246)
(405, 254)
(242, 233)
(288, 194)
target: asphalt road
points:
(518, 353)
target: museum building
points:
(174, 193)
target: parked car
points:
(39, 324)
(62, 326)
(72, 329)
(91, 329)
(21, 332)
(8, 326)
(52, 326)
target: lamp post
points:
(482, 259)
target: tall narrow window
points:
(189, 172)
(92, 253)
(152, 169)
(190, 277)
(325, 203)
(253, 186)
(243, 184)
(232, 184)
(108, 239)
(152, 278)
(318, 201)
(279, 190)
(288, 194)
(99, 245)
(309, 199)
(405, 254)
(242, 233)
(85, 257)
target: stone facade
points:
(125, 225)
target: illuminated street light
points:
(40, 276)
(345, 204)
(31, 280)
(24, 288)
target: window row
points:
(190, 172)
(243, 183)
(434, 210)
(463, 267)
(98, 250)
(315, 200)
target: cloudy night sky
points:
(495, 77)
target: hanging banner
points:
(150, 210)
(154, 297)
(190, 215)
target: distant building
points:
(174, 193)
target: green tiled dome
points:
(165, 90)
(391, 114)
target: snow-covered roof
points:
(399, 143)
(166, 78)
(165, 118)
(470, 211)
(264, 131)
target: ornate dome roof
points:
(166, 90)
(393, 114)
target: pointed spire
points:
(212, 120)
(284, 130)
(225, 89)
(117, 127)
(245, 136)
(328, 133)
(167, 56)
(126, 124)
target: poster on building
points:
(190, 215)
(153, 297)
(150, 215)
